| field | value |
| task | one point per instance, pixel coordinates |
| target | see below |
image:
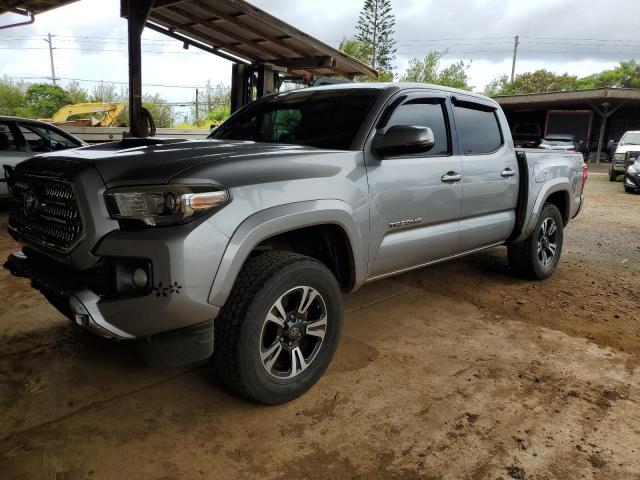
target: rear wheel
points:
(279, 329)
(537, 256)
(613, 175)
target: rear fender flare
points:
(549, 188)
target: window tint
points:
(424, 113)
(317, 118)
(7, 142)
(478, 130)
(42, 139)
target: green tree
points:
(496, 86)
(375, 29)
(76, 93)
(539, 81)
(214, 105)
(429, 70)
(107, 93)
(12, 97)
(625, 75)
(160, 110)
(362, 51)
(44, 99)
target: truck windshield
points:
(630, 139)
(316, 118)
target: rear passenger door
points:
(489, 171)
(414, 199)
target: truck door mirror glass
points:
(405, 140)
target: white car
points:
(559, 142)
(627, 152)
(21, 138)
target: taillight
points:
(584, 175)
(571, 149)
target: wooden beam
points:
(193, 43)
(202, 37)
(285, 28)
(233, 19)
(269, 54)
(308, 63)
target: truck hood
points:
(148, 162)
(627, 148)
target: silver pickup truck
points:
(239, 247)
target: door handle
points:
(507, 172)
(451, 177)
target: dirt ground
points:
(457, 371)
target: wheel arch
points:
(557, 192)
(332, 220)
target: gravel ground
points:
(457, 371)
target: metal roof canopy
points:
(604, 101)
(611, 95)
(34, 7)
(29, 8)
(236, 30)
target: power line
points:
(116, 82)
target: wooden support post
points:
(603, 126)
(137, 13)
(266, 80)
(240, 86)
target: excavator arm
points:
(110, 112)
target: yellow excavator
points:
(109, 114)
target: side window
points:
(42, 139)
(478, 130)
(425, 113)
(7, 142)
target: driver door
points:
(414, 199)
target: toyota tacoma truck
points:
(239, 247)
(626, 153)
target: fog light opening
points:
(140, 278)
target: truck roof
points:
(399, 86)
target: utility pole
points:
(515, 54)
(53, 69)
(197, 105)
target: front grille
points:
(44, 210)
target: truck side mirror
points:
(405, 140)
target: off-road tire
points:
(523, 256)
(238, 327)
(613, 175)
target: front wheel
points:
(537, 257)
(629, 189)
(279, 329)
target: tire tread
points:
(253, 276)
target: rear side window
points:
(7, 142)
(478, 130)
(425, 113)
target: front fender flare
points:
(273, 221)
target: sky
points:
(570, 36)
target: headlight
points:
(619, 156)
(164, 205)
(632, 169)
